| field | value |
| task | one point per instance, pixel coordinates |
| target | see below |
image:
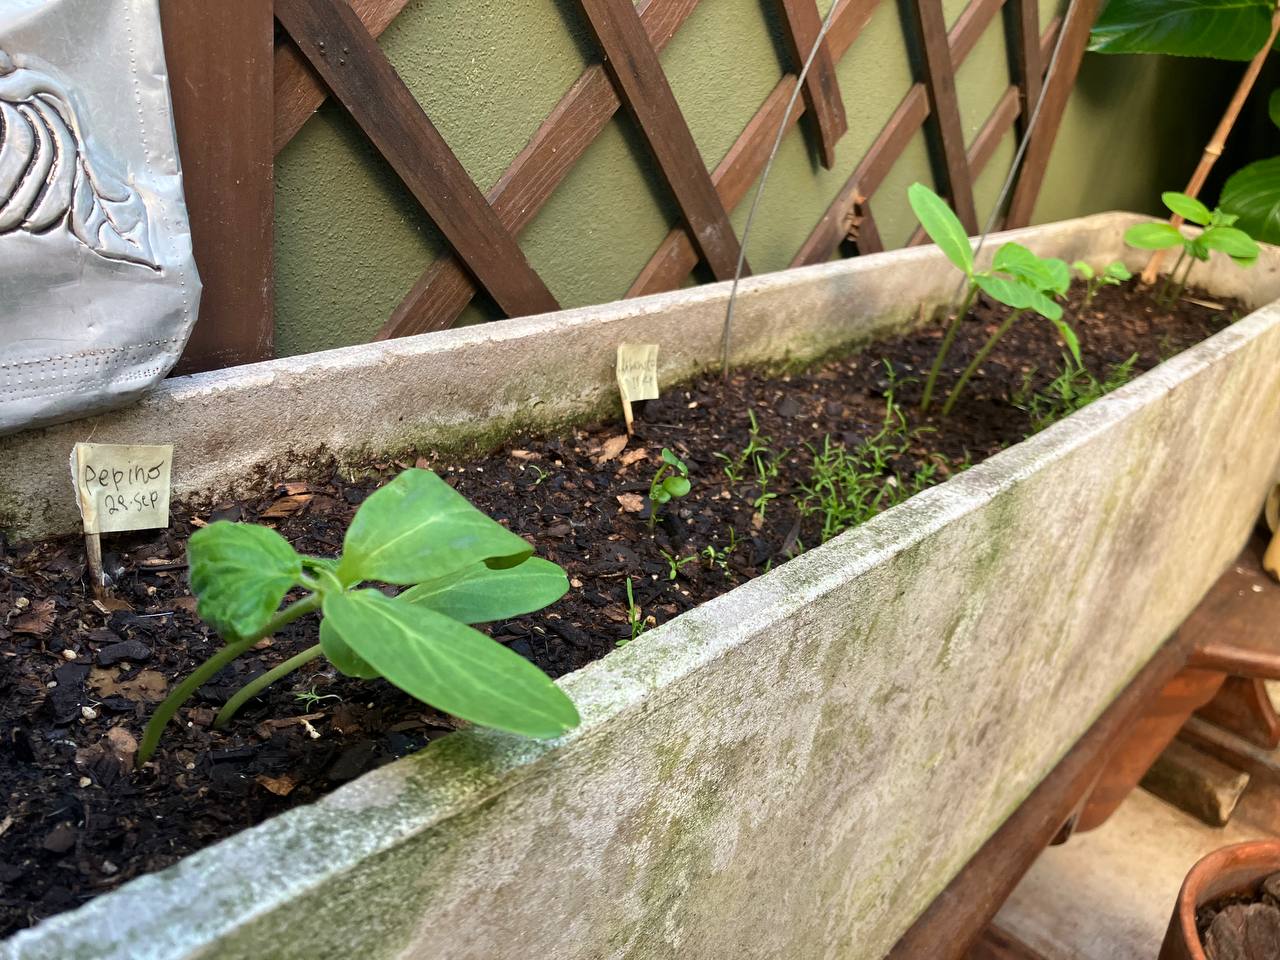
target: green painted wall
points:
(350, 240)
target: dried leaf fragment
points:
(631, 502)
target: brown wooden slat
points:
(299, 89)
(633, 64)
(866, 236)
(1057, 91)
(219, 57)
(445, 288)
(998, 944)
(827, 234)
(954, 921)
(1028, 65)
(330, 35)
(745, 161)
(801, 26)
(940, 83)
(733, 177)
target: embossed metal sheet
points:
(98, 288)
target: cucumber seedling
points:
(461, 568)
(1218, 233)
(1094, 280)
(669, 483)
(1018, 278)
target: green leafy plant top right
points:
(1218, 234)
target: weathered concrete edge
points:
(471, 387)
(278, 861)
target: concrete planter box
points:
(792, 770)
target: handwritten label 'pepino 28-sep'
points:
(122, 486)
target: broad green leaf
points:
(1221, 29)
(341, 655)
(1059, 274)
(1016, 259)
(449, 665)
(1198, 248)
(1152, 236)
(1117, 271)
(1186, 207)
(676, 486)
(1038, 272)
(477, 594)
(1012, 293)
(1070, 339)
(1046, 307)
(239, 573)
(1253, 194)
(942, 226)
(416, 528)
(1082, 268)
(1236, 244)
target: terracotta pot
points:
(1235, 869)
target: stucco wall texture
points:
(350, 240)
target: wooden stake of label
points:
(637, 372)
(119, 487)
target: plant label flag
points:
(122, 486)
(637, 373)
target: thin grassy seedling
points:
(1073, 389)
(635, 617)
(719, 556)
(674, 563)
(311, 700)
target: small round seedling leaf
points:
(478, 594)
(239, 573)
(1082, 268)
(1189, 208)
(942, 226)
(449, 665)
(672, 460)
(1117, 271)
(341, 655)
(417, 528)
(676, 486)
(660, 494)
(1152, 236)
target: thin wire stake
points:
(751, 214)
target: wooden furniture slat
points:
(1028, 63)
(1057, 91)
(866, 235)
(907, 119)
(330, 35)
(219, 57)
(444, 289)
(801, 25)
(745, 161)
(1244, 707)
(637, 74)
(940, 83)
(998, 944)
(952, 923)
(299, 91)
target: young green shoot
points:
(635, 617)
(1112, 274)
(461, 568)
(719, 556)
(669, 483)
(675, 562)
(1073, 389)
(1217, 234)
(1017, 278)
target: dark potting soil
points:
(1242, 926)
(79, 676)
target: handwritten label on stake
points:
(122, 486)
(637, 375)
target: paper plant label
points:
(122, 486)
(637, 373)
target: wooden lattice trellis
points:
(278, 78)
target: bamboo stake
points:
(1214, 149)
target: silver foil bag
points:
(98, 288)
